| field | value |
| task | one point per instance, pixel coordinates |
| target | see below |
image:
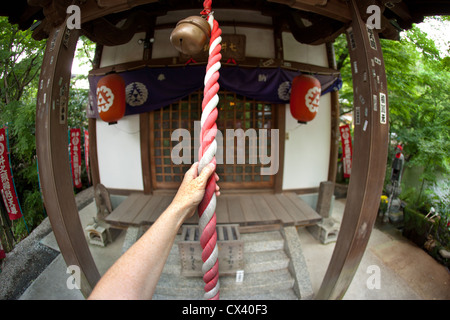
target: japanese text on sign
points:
(233, 47)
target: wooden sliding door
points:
(239, 152)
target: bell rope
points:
(207, 152)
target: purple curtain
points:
(154, 88)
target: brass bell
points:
(190, 35)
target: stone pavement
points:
(405, 271)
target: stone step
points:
(269, 240)
(266, 274)
(258, 282)
(253, 242)
(265, 261)
(287, 294)
(262, 241)
(253, 262)
(259, 248)
(254, 284)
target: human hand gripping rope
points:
(207, 152)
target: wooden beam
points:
(51, 145)
(242, 24)
(334, 9)
(248, 62)
(399, 8)
(91, 10)
(369, 160)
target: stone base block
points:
(325, 231)
(229, 243)
(100, 233)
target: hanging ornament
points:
(191, 35)
(111, 100)
(305, 96)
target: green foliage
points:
(421, 120)
(78, 96)
(23, 158)
(343, 65)
(86, 51)
(423, 43)
(78, 100)
(431, 234)
(418, 89)
(20, 62)
(439, 196)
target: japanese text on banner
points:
(346, 140)
(86, 153)
(75, 156)
(7, 189)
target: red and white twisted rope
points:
(207, 152)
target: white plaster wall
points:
(249, 16)
(259, 42)
(307, 151)
(131, 51)
(119, 154)
(299, 52)
(162, 47)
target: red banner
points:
(86, 153)
(2, 252)
(75, 156)
(7, 188)
(347, 153)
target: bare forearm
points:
(136, 274)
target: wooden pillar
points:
(52, 146)
(144, 136)
(92, 128)
(334, 142)
(280, 110)
(369, 158)
(144, 118)
(93, 155)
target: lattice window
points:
(235, 112)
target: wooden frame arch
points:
(51, 149)
(369, 162)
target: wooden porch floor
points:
(251, 209)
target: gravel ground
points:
(29, 257)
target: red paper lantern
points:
(305, 95)
(111, 98)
